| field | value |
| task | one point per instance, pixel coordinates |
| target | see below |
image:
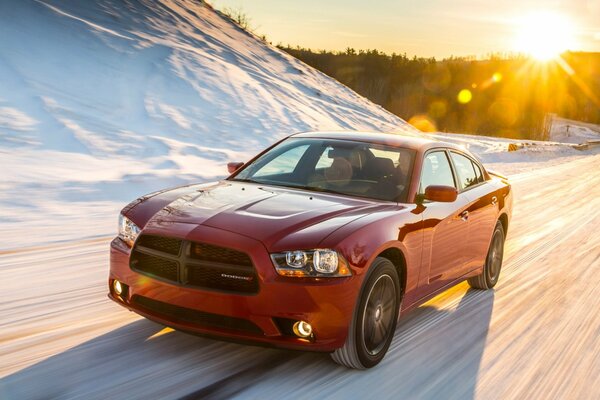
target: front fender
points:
(362, 240)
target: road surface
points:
(537, 335)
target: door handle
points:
(464, 215)
(494, 200)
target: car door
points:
(482, 210)
(445, 228)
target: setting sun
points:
(544, 35)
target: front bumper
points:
(326, 304)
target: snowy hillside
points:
(102, 101)
(135, 78)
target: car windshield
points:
(337, 166)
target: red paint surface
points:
(439, 248)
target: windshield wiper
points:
(318, 189)
(292, 186)
(245, 180)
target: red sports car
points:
(319, 243)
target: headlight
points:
(128, 231)
(311, 263)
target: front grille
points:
(154, 266)
(222, 278)
(194, 264)
(208, 252)
(200, 318)
(161, 243)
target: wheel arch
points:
(504, 221)
(396, 257)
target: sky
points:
(425, 28)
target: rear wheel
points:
(493, 263)
(374, 322)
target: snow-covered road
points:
(537, 335)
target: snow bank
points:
(569, 131)
(531, 154)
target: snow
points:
(102, 101)
(534, 336)
(531, 154)
(569, 131)
(13, 119)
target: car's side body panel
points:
(483, 214)
(446, 241)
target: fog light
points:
(118, 288)
(302, 329)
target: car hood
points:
(279, 217)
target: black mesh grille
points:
(181, 314)
(155, 266)
(208, 252)
(223, 279)
(195, 264)
(160, 243)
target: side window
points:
(465, 170)
(284, 163)
(436, 171)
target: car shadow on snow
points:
(435, 354)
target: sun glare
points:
(544, 35)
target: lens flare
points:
(464, 96)
(423, 123)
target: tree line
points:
(504, 95)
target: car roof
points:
(411, 140)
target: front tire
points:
(493, 262)
(374, 323)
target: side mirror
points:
(234, 166)
(443, 194)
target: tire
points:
(493, 262)
(374, 323)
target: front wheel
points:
(374, 323)
(493, 262)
